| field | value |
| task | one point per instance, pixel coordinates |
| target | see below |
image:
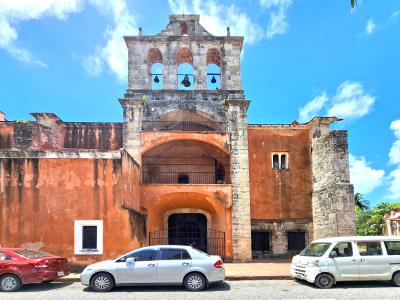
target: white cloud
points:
(215, 17)
(394, 188)
(114, 53)
(370, 27)
(350, 101)
(278, 21)
(394, 153)
(313, 107)
(364, 178)
(14, 12)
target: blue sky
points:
(301, 58)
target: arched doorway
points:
(188, 229)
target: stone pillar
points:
(333, 195)
(133, 117)
(241, 220)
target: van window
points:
(343, 249)
(315, 249)
(369, 248)
(393, 248)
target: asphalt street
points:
(258, 289)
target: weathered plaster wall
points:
(280, 194)
(6, 134)
(40, 199)
(103, 136)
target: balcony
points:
(186, 170)
(185, 126)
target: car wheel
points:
(10, 283)
(195, 282)
(102, 282)
(324, 281)
(396, 279)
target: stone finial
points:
(2, 116)
(228, 31)
(140, 33)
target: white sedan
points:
(156, 265)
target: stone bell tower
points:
(186, 72)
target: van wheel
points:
(195, 282)
(396, 279)
(324, 281)
(102, 282)
(10, 283)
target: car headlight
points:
(313, 263)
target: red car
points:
(22, 266)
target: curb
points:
(230, 278)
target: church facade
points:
(183, 167)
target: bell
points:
(185, 81)
(213, 80)
(156, 79)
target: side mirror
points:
(333, 254)
(130, 260)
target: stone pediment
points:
(184, 25)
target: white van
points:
(327, 261)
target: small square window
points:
(88, 237)
(280, 160)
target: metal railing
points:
(207, 240)
(181, 177)
(185, 126)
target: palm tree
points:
(353, 3)
(360, 202)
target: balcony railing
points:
(186, 170)
(185, 126)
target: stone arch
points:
(214, 57)
(187, 211)
(184, 28)
(184, 55)
(154, 55)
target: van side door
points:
(373, 263)
(344, 266)
(393, 252)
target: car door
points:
(143, 270)
(173, 264)
(344, 266)
(372, 263)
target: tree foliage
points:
(360, 202)
(370, 221)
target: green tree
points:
(353, 3)
(370, 221)
(360, 202)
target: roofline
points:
(358, 238)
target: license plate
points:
(60, 274)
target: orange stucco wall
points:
(280, 194)
(6, 134)
(41, 198)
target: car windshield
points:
(315, 249)
(32, 253)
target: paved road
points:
(263, 289)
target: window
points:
(174, 254)
(369, 248)
(141, 255)
(32, 253)
(260, 244)
(343, 249)
(184, 29)
(315, 249)
(183, 178)
(88, 237)
(296, 241)
(4, 256)
(393, 248)
(185, 77)
(280, 161)
(213, 69)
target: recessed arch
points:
(184, 29)
(184, 55)
(155, 60)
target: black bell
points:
(213, 80)
(156, 79)
(185, 81)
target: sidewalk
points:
(272, 269)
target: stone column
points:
(241, 220)
(333, 195)
(133, 117)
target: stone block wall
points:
(333, 195)
(241, 220)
